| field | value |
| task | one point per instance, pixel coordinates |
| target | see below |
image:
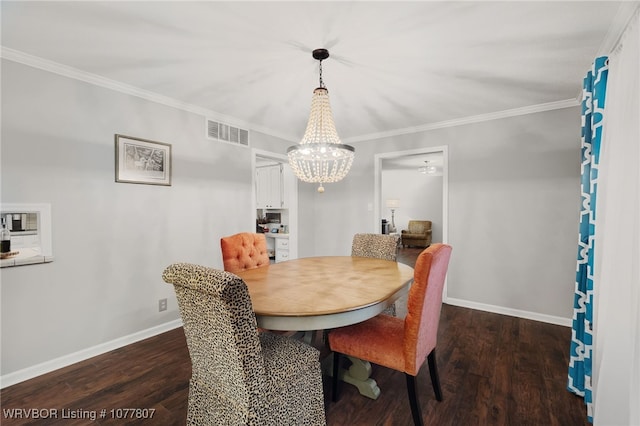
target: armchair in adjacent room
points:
(418, 234)
(240, 376)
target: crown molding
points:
(624, 15)
(74, 73)
(626, 11)
(97, 80)
(549, 106)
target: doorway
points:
(411, 165)
(415, 193)
(289, 186)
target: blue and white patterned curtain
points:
(593, 99)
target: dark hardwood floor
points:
(494, 369)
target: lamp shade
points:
(393, 203)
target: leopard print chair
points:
(378, 246)
(240, 376)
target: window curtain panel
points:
(616, 356)
(580, 361)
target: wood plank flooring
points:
(494, 369)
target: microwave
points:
(273, 218)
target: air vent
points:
(227, 133)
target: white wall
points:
(111, 241)
(420, 199)
(513, 209)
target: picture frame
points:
(142, 161)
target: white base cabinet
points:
(282, 249)
(278, 243)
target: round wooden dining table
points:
(320, 293)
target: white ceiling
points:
(394, 65)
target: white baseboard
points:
(509, 311)
(63, 361)
(55, 364)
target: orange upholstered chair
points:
(243, 251)
(401, 344)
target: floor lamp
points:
(393, 205)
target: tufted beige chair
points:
(418, 234)
(377, 246)
(243, 251)
(240, 376)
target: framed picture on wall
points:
(142, 161)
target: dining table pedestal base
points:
(358, 375)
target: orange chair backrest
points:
(243, 251)
(424, 305)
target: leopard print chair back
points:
(377, 246)
(237, 373)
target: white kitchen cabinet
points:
(269, 187)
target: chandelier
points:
(427, 169)
(320, 157)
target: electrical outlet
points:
(162, 305)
